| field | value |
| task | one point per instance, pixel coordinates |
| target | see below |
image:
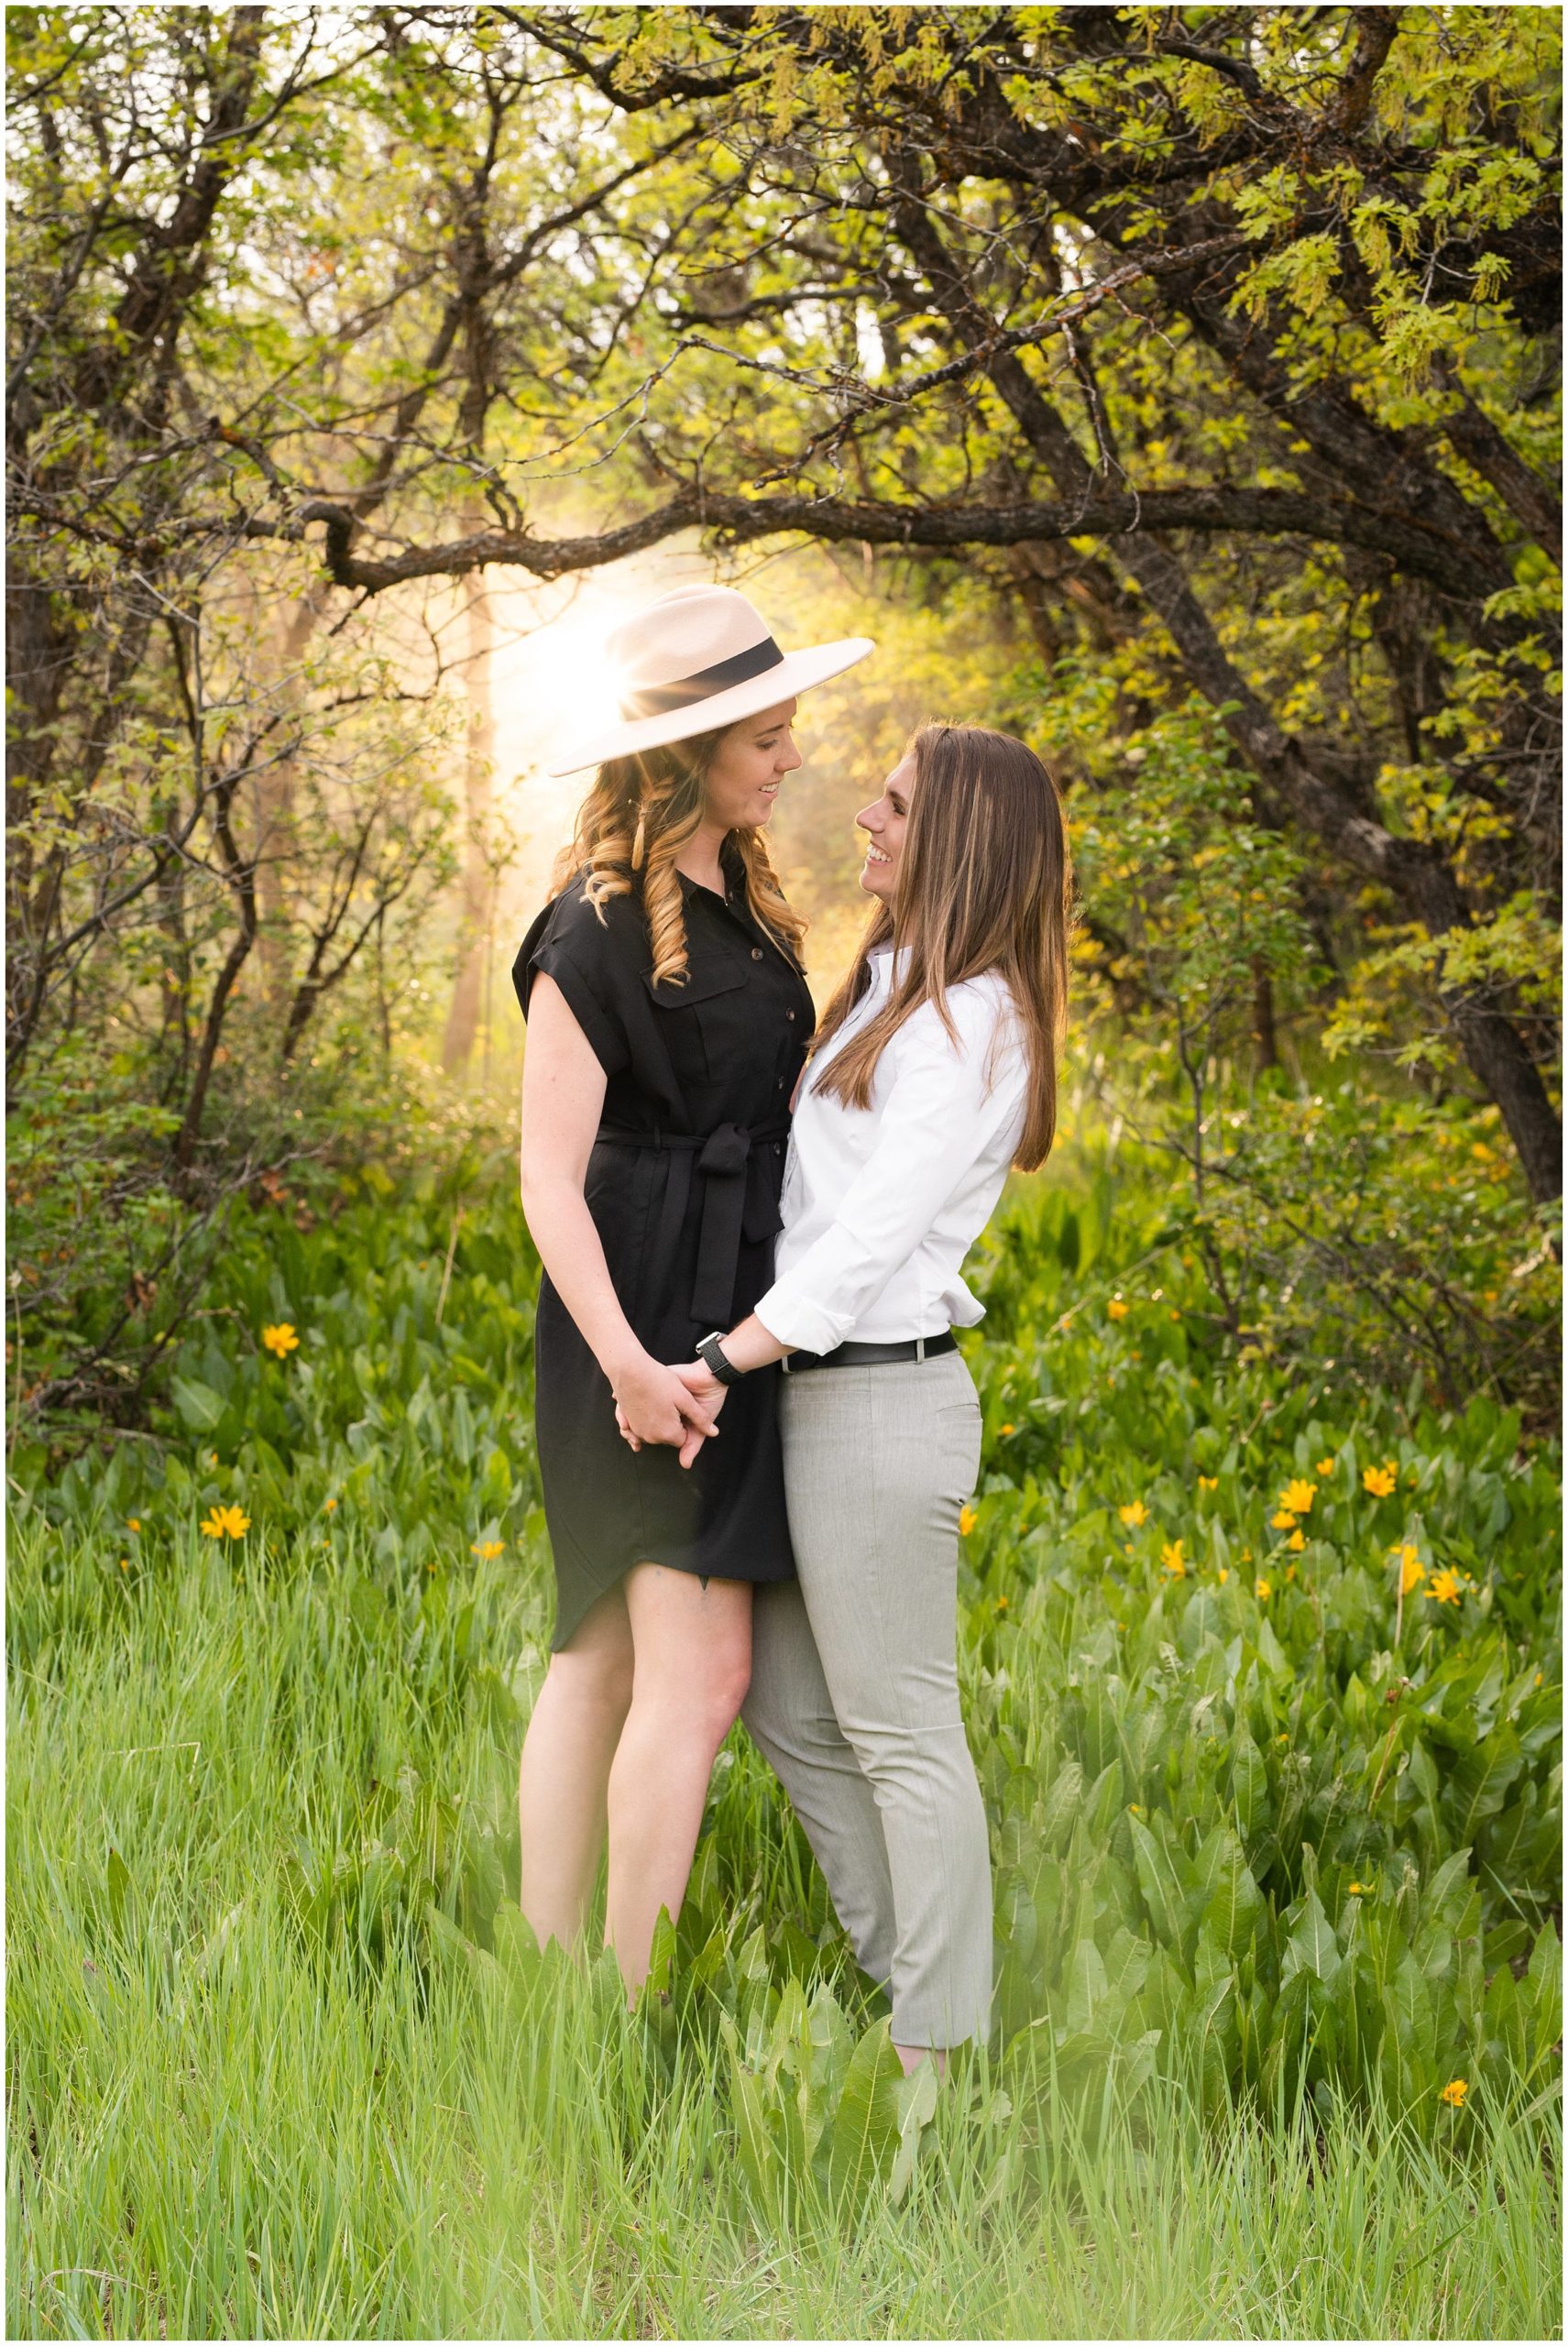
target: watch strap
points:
(710, 1350)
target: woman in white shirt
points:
(934, 1070)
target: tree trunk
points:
(286, 635)
(475, 883)
(1263, 1032)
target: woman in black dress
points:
(668, 1020)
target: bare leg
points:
(693, 1648)
(566, 1756)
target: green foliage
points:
(1335, 1214)
(1186, 1773)
(1187, 896)
(263, 1844)
(670, 252)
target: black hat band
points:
(659, 700)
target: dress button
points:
(756, 952)
(790, 1016)
(777, 1146)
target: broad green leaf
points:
(1060, 1805)
(661, 1959)
(754, 2138)
(1165, 1893)
(198, 1404)
(1312, 1947)
(866, 2123)
(1447, 1894)
(1233, 1904)
(1249, 1783)
(515, 1947)
(1480, 1782)
(916, 2107)
(1087, 1984)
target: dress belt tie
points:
(738, 1200)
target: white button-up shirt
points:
(882, 1205)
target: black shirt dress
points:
(683, 1185)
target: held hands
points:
(676, 1407)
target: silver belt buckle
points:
(919, 1347)
(785, 1364)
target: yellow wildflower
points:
(1208, 1482)
(1134, 1513)
(1002, 1604)
(1379, 1480)
(1006, 1430)
(1453, 2093)
(1298, 1496)
(1444, 1587)
(226, 1523)
(1247, 1555)
(1261, 1587)
(1290, 1572)
(1134, 1809)
(1411, 1568)
(133, 1523)
(1116, 1307)
(1283, 1520)
(1325, 1465)
(124, 1564)
(329, 1506)
(1175, 1314)
(1298, 1539)
(280, 1340)
(487, 1550)
(1356, 1891)
(1171, 1557)
(1224, 1574)
(968, 1517)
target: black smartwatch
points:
(723, 1367)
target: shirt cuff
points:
(801, 1321)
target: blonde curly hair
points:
(637, 816)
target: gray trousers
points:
(854, 1695)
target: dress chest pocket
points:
(704, 1020)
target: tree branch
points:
(1097, 511)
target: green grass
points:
(224, 2128)
(282, 2064)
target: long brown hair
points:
(985, 883)
(637, 816)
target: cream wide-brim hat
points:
(699, 658)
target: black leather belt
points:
(739, 1199)
(852, 1355)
